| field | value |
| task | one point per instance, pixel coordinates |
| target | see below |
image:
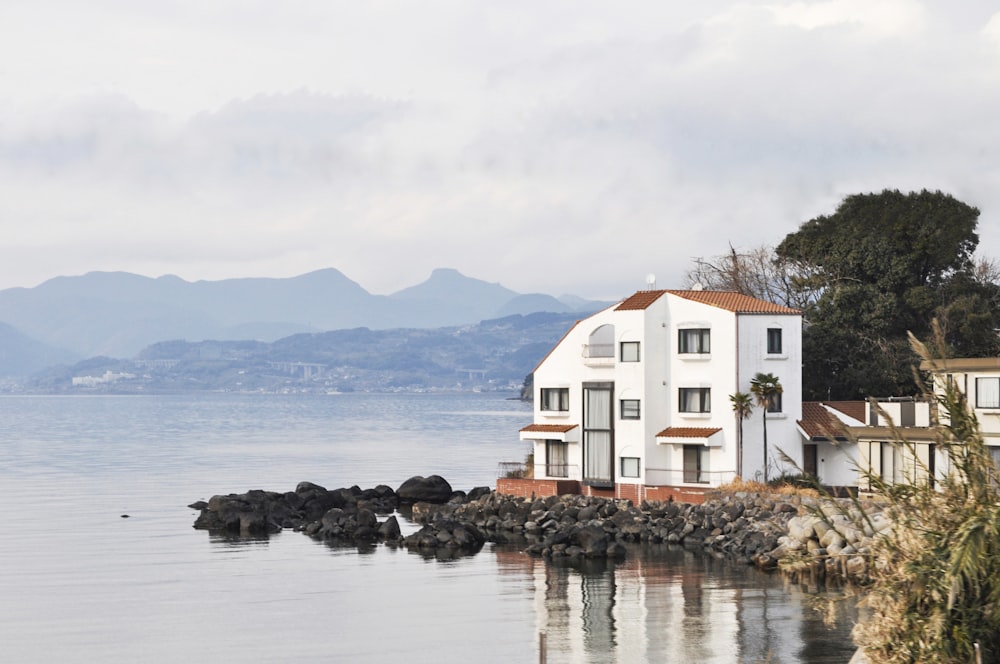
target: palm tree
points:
(765, 388)
(742, 407)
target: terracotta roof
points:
(818, 422)
(856, 409)
(641, 300)
(687, 432)
(733, 301)
(549, 428)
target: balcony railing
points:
(599, 350)
(563, 471)
(513, 470)
(675, 477)
(554, 471)
(598, 355)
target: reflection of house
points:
(676, 605)
(634, 402)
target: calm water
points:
(78, 583)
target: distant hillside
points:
(494, 354)
(21, 355)
(117, 314)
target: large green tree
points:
(882, 265)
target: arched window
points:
(601, 342)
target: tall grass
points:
(935, 576)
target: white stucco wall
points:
(738, 351)
(782, 430)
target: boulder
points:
(433, 489)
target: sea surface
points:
(80, 583)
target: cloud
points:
(555, 146)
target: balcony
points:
(676, 477)
(598, 355)
(553, 471)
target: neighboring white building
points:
(921, 459)
(827, 453)
(634, 400)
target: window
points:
(555, 398)
(774, 341)
(630, 351)
(630, 466)
(601, 342)
(598, 434)
(694, 341)
(630, 409)
(555, 459)
(695, 464)
(695, 400)
(774, 403)
(988, 393)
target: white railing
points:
(598, 355)
(675, 477)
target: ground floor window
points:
(630, 466)
(695, 464)
(556, 454)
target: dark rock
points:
(433, 489)
(389, 530)
(479, 492)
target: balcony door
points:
(598, 434)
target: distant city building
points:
(108, 377)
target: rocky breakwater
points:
(832, 540)
(748, 527)
(824, 538)
(795, 533)
(344, 515)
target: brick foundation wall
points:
(526, 488)
(680, 494)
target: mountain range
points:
(118, 314)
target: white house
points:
(633, 402)
(828, 454)
(979, 380)
(921, 459)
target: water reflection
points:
(221, 540)
(668, 603)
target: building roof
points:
(735, 302)
(855, 409)
(641, 300)
(548, 428)
(688, 432)
(818, 422)
(962, 364)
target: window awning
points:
(709, 437)
(567, 433)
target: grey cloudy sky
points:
(558, 146)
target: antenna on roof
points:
(697, 286)
(650, 281)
